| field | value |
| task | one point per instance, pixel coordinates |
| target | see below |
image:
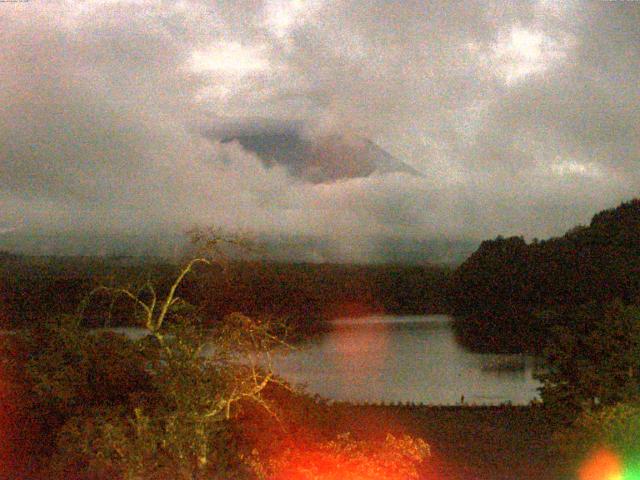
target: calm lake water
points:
(403, 359)
(406, 359)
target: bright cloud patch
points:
(106, 105)
(524, 52)
(282, 16)
(229, 58)
(575, 168)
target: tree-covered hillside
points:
(501, 287)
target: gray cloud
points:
(522, 116)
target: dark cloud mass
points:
(521, 117)
(321, 159)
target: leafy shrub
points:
(393, 459)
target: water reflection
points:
(407, 359)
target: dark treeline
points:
(33, 288)
(308, 294)
(510, 293)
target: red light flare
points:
(397, 458)
(602, 464)
(7, 427)
(20, 432)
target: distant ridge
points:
(171, 244)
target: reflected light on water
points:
(359, 351)
(393, 358)
(366, 347)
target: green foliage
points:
(594, 363)
(72, 369)
(162, 406)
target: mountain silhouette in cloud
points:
(321, 159)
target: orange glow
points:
(5, 424)
(394, 459)
(603, 464)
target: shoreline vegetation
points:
(573, 298)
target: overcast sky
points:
(523, 117)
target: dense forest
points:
(510, 293)
(32, 288)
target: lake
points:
(406, 359)
(414, 359)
